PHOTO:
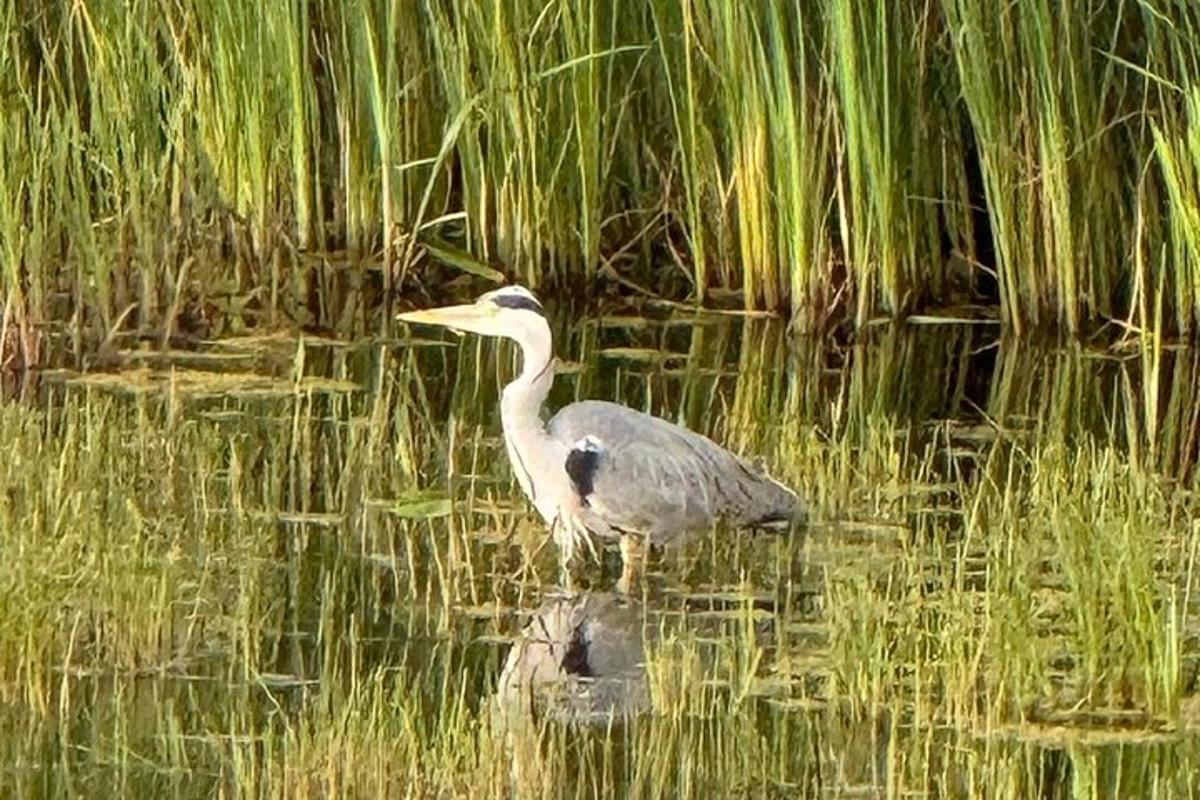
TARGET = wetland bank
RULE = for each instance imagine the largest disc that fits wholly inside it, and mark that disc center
(936, 262)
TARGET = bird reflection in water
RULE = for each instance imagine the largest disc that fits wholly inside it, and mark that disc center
(581, 658)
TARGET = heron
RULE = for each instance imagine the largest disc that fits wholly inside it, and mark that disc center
(600, 469)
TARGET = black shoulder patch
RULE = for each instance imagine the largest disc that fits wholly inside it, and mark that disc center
(519, 301)
(582, 464)
(575, 659)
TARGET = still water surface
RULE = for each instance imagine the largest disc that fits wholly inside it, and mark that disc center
(282, 565)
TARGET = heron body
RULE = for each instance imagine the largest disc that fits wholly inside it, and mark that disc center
(599, 468)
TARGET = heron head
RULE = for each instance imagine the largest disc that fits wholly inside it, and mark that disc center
(511, 311)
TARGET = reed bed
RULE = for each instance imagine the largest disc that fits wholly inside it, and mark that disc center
(164, 163)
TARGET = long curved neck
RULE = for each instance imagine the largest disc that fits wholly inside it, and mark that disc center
(535, 457)
(521, 403)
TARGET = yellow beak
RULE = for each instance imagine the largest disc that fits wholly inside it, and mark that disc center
(470, 317)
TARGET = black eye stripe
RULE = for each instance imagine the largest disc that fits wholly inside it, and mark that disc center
(518, 301)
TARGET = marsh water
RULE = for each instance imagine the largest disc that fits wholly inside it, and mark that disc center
(291, 565)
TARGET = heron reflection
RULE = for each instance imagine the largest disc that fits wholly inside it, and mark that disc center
(581, 658)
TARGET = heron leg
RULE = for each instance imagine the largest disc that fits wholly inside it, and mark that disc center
(633, 562)
(566, 576)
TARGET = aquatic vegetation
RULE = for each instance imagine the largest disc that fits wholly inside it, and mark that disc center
(231, 575)
(239, 560)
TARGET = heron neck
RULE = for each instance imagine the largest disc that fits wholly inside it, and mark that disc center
(534, 456)
(521, 404)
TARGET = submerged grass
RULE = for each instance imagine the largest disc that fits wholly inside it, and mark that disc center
(257, 593)
(173, 165)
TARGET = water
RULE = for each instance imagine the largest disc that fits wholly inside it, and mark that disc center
(297, 566)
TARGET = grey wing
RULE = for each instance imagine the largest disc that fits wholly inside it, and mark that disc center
(643, 474)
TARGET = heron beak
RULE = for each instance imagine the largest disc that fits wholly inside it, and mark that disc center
(470, 317)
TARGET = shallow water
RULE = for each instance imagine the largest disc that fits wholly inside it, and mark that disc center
(297, 566)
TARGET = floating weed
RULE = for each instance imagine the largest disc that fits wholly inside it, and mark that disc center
(201, 383)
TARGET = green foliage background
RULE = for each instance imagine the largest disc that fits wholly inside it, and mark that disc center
(834, 159)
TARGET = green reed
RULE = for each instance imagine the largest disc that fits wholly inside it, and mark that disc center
(1061, 110)
(893, 154)
(836, 160)
(1179, 160)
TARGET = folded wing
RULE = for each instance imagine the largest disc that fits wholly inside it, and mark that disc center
(642, 474)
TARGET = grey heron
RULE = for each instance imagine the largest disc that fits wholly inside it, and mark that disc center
(601, 469)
